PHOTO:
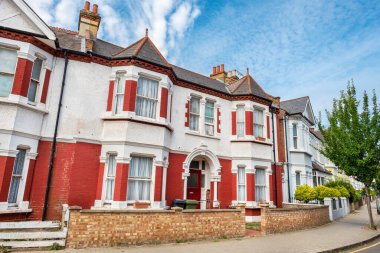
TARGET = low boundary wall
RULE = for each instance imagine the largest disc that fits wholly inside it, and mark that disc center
(104, 228)
(293, 217)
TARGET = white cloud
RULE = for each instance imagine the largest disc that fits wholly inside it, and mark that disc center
(124, 22)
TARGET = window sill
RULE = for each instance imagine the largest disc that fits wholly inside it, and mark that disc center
(202, 135)
(15, 211)
(18, 101)
(252, 139)
(142, 120)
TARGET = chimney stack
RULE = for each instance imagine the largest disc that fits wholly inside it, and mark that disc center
(88, 25)
(213, 70)
(218, 69)
(222, 67)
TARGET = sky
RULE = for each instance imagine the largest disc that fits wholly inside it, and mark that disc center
(293, 48)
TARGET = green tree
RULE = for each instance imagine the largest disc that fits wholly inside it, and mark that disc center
(305, 193)
(352, 139)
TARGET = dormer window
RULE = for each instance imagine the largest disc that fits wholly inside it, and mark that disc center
(194, 113)
(35, 80)
(209, 118)
(258, 125)
(146, 99)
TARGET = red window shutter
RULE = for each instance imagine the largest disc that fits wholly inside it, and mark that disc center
(164, 102)
(99, 187)
(130, 95)
(158, 184)
(121, 182)
(218, 127)
(110, 95)
(187, 114)
(268, 128)
(22, 77)
(249, 122)
(46, 86)
(250, 187)
(233, 122)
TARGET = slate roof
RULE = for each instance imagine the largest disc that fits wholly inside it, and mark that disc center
(295, 106)
(247, 85)
(318, 134)
(320, 168)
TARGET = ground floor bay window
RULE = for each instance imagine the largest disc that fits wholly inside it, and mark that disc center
(260, 185)
(16, 177)
(140, 179)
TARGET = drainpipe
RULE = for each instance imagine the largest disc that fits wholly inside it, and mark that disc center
(54, 145)
(287, 154)
(275, 161)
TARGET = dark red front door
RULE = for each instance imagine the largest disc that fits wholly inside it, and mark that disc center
(194, 185)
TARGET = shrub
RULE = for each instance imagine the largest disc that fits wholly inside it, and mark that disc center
(345, 184)
(305, 193)
(343, 191)
(326, 192)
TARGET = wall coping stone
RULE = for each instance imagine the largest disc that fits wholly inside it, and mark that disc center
(295, 209)
(156, 210)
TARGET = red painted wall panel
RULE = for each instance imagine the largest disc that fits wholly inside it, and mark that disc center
(111, 88)
(158, 184)
(227, 184)
(218, 126)
(130, 95)
(248, 122)
(233, 123)
(29, 179)
(6, 168)
(250, 186)
(99, 187)
(187, 114)
(164, 103)
(174, 182)
(268, 128)
(46, 86)
(22, 77)
(121, 182)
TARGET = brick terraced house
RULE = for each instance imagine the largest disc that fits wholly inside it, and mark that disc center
(86, 122)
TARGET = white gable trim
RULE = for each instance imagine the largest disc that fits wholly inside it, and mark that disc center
(306, 114)
(35, 19)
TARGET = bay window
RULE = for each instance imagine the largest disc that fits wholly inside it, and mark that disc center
(146, 98)
(260, 185)
(240, 124)
(209, 118)
(258, 123)
(110, 177)
(140, 178)
(194, 113)
(241, 184)
(298, 178)
(18, 168)
(119, 95)
(8, 60)
(35, 80)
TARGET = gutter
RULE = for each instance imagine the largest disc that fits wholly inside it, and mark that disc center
(275, 161)
(287, 155)
(54, 144)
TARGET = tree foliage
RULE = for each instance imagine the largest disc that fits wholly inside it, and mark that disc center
(305, 193)
(326, 192)
(345, 184)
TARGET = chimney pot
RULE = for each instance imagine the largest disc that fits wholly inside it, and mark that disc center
(213, 70)
(222, 67)
(95, 8)
(87, 5)
(218, 69)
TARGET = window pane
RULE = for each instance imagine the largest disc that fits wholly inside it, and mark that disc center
(240, 121)
(6, 83)
(110, 188)
(8, 59)
(146, 100)
(294, 129)
(16, 176)
(194, 165)
(260, 185)
(111, 165)
(194, 105)
(36, 72)
(192, 180)
(32, 91)
(140, 173)
(194, 122)
(209, 112)
(258, 117)
(241, 184)
(298, 178)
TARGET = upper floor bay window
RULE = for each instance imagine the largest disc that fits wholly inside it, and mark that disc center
(194, 113)
(146, 98)
(241, 184)
(209, 118)
(119, 95)
(260, 185)
(18, 168)
(315, 179)
(8, 60)
(240, 124)
(295, 136)
(35, 80)
(110, 177)
(140, 178)
(298, 178)
(258, 125)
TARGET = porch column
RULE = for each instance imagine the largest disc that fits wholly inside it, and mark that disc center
(163, 191)
(184, 177)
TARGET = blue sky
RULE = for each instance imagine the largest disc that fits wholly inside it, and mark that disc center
(293, 48)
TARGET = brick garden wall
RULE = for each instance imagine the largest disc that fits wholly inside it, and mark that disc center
(104, 228)
(293, 217)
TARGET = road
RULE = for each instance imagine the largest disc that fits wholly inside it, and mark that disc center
(372, 247)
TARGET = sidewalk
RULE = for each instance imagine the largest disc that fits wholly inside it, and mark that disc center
(346, 231)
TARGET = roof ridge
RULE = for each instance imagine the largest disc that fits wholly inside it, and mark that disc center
(239, 84)
(125, 49)
(55, 28)
(296, 98)
(249, 83)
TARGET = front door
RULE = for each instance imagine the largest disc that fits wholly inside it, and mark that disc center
(194, 185)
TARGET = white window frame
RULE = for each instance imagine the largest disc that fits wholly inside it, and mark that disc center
(262, 186)
(14, 71)
(295, 135)
(257, 124)
(108, 177)
(298, 173)
(241, 123)
(244, 184)
(210, 125)
(195, 114)
(155, 100)
(37, 81)
(118, 96)
(18, 194)
(147, 179)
